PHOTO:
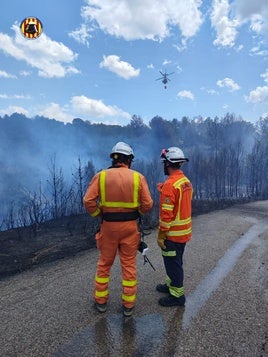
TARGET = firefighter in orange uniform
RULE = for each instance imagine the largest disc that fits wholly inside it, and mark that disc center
(119, 195)
(174, 225)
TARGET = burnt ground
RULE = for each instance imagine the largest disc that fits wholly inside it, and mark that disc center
(26, 247)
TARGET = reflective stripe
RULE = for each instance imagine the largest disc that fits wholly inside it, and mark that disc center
(164, 224)
(129, 282)
(177, 292)
(167, 207)
(129, 298)
(170, 253)
(102, 280)
(181, 222)
(133, 204)
(101, 293)
(168, 281)
(94, 214)
(178, 183)
(179, 233)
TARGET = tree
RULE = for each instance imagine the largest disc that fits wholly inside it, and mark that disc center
(81, 178)
(57, 190)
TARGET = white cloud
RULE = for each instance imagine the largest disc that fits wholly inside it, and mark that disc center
(228, 83)
(186, 94)
(51, 58)
(25, 73)
(96, 108)
(265, 76)
(258, 95)
(121, 68)
(4, 74)
(258, 51)
(81, 35)
(14, 109)
(254, 11)
(227, 16)
(165, 62)
(147, 19)
(209, 91)
(57, 112)
(15, 96)
(224, 26)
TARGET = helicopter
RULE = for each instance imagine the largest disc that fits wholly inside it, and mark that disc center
(164, 78)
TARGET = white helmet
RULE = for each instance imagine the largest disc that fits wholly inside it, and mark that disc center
(122, 148)
(173, 155)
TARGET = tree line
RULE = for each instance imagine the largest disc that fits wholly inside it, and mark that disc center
(228, 159)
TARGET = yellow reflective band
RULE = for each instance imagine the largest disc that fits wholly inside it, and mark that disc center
(177, 292)
(179, 233)
(129, 298)
(136, 189)
(129, 282)
(171, 253)
(101, 293)
(181, 222)
(178, 183)
(94, 214)
(167, 207)
(118, 204)
(164, 224)
(102, 280)
(168, 281)
(102, 186)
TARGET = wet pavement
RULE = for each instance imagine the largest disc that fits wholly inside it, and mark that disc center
(49, 311)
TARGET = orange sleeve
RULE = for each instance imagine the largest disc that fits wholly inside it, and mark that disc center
(91, 197)
(146, 201)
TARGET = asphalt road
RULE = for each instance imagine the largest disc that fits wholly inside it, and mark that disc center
(49, 311)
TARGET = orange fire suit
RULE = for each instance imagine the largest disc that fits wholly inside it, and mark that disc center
(175, 221)
(119, 195)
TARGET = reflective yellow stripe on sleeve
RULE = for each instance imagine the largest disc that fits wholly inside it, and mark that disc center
(96, 213)
(164, 224)
(167, 207)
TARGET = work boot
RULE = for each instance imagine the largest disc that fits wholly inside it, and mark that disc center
(171, 300)
(127, 311)
(101, 307)
(162, 288)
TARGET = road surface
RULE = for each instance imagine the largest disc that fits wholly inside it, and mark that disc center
(49, 311)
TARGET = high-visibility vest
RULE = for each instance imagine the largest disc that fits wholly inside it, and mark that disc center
(133, 197)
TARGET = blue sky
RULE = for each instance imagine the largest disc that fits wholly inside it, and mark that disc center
(98, 60)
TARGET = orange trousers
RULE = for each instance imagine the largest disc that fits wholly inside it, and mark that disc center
(124, 238)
